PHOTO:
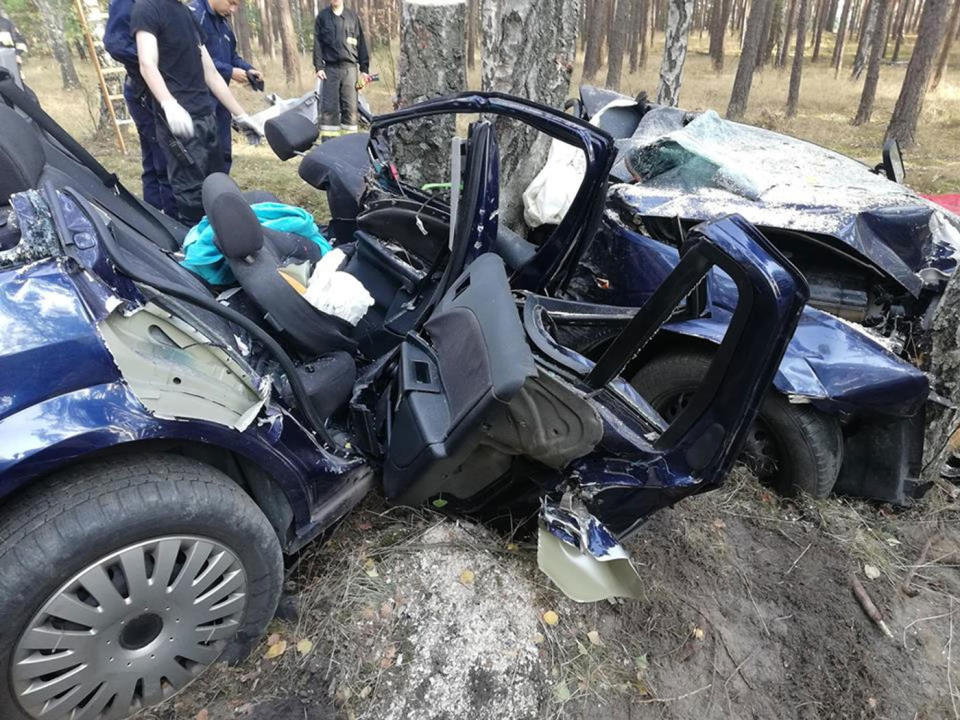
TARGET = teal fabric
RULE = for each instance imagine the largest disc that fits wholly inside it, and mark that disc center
(202, 257)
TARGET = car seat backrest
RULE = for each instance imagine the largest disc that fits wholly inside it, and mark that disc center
(238, 232)
(21, 155)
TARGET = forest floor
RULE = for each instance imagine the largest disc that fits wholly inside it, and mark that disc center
(748, 610)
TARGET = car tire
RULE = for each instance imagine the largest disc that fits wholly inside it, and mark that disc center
(790, 446)
(83, 561)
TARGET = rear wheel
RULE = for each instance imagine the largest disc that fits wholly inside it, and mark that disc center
(122, 581)
(788, 446)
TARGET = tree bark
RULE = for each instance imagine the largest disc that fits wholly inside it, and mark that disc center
(933, 25)
(241, 25)
(644, 25)
(472, 9)
(432, 63)
(898, 30)
(679, 16)
(947, 44)
(748, 60)
(793, 95)
(619, 33)
(52, 16)
(837, 59)
(529, 47)
(718, 31)
(288, 41)
(821, 22)
(866, 38)
(266, 30)
(765, 34)
(942, 437)
(635, 36)
(787, 34)
(596, 33)
(873, 71)
(774, 28)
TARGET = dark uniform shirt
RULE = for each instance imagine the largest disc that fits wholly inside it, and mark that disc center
(339, 39)
(118, 41)
(178, 43)
(219, 38)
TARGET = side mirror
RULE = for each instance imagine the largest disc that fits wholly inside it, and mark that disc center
(893, 161)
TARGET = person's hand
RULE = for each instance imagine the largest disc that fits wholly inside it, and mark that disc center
(321, 74)
(367, 78)
(178, 119)
(238, 75)
(252, 74)
(244, 124)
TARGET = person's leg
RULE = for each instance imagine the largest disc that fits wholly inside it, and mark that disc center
(330, 104)
(143, 120)
(189, 161)
(226, 138)
(348, 99)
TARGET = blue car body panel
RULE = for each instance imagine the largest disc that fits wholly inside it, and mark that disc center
(834, 366)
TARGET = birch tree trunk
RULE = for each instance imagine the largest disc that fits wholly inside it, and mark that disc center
(748, 60)
(52, 16)
(432, 63)
(529, 47)
(793, 95)
(873, 71)
(933, 25)
(679, 15)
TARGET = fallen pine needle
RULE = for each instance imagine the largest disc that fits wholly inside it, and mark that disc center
(868, 607)
(678, 697)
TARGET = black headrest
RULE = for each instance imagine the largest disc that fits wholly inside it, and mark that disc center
(21, 155)
(237, 231)
(290, 133)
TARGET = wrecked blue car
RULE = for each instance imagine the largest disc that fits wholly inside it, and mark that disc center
(164, 442)
(845, 412)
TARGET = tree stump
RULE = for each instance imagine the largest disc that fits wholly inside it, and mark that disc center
(432, 63)
(529, 47)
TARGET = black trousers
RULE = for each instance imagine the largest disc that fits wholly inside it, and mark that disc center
(190, 161)
(338, 101)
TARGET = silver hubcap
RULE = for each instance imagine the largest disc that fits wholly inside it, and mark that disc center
(130, 630)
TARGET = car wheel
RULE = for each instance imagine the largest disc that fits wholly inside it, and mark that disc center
(790, 447)
(121, 581)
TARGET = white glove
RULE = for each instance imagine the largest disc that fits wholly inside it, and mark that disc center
(178, 119)
(244, 124)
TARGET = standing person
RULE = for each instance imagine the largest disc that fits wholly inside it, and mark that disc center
(10, 36)
(118, 41)
(221, 43)
(338, 48)
(180, 75)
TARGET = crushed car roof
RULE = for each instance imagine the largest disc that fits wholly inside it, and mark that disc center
(701, 167)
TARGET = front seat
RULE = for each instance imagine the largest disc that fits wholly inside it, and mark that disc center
(256, 265)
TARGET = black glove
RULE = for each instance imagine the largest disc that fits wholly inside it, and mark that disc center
(256, 82)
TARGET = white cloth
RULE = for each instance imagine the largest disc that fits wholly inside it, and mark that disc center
(337, 293)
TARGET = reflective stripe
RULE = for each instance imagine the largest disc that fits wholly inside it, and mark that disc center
(348, 128)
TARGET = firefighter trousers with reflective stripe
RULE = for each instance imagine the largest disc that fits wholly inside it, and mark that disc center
(338, 100)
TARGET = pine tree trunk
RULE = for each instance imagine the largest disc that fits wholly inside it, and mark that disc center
(529, 47)
(793, 95)
(947, 44)
(241, 25)
(824, 9)
(748, 60)
(266, 31)
(636, 32)
(915, 16)
(432, 63)
(898, 30)
(718, 31)
(288, 41)
(866, 38)
(52, 17)
(873, 71)
(787, 34)
(933, 25)
(679, 17)
(596, 32)
(774, 28)
(837, 59)
(619, 34)
(644, 25)
(765, 34)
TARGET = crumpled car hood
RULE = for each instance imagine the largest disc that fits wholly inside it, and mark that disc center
(707, 167)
